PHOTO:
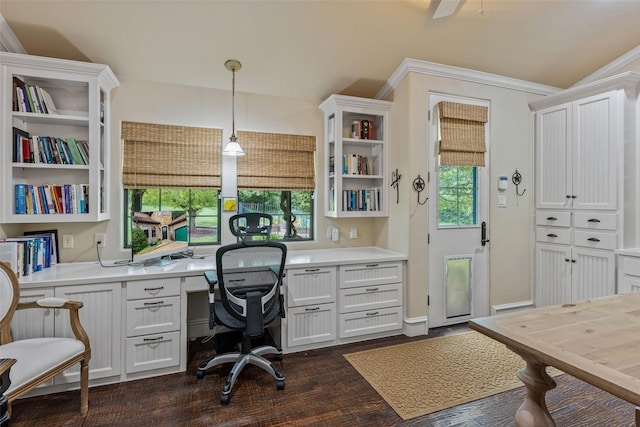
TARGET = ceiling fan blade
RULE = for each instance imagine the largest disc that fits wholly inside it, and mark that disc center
(446, 8)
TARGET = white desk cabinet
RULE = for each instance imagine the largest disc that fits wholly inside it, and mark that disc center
(311, 306)
(152, 324)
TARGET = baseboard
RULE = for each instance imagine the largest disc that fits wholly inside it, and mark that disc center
(511, 307)
(415, 326)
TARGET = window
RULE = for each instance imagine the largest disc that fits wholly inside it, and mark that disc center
(277, 176)
(296, 227)
(171, 178)
(200, 208)
(458, 200)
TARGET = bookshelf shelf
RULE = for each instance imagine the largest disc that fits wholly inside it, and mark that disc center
(356, 144)
(55, 134)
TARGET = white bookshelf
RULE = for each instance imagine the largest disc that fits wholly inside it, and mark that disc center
(81, 94)
(355, 175)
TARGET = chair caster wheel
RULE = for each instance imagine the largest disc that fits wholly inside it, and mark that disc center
(280, 384)
(279, 357)
(199, 374)
(224, 399)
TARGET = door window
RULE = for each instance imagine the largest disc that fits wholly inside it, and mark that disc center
(458, 196)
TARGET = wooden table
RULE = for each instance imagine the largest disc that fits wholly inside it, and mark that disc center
(597, 341)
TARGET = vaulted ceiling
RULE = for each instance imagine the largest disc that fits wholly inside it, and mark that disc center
(312, 48)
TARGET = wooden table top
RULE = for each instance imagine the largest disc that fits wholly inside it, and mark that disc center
(597, 340)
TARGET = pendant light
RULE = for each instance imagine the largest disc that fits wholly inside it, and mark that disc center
(233, 148)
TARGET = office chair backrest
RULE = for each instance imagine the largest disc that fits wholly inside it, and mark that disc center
(249, 226)
(248, 270)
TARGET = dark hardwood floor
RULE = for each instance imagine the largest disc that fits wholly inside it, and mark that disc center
(322, 389)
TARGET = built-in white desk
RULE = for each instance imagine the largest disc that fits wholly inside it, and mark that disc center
(138, 322)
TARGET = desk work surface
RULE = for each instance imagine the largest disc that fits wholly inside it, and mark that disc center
(92, 272)
(597, 340)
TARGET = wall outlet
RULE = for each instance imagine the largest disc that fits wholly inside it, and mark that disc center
(100, 239)
(353, 233)
(335, 234)
(67, 241)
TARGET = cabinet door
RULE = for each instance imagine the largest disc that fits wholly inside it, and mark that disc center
(101, 318)
(596, 152)
(552, 274)
(593, 273)
(553, 157)
(33, 323)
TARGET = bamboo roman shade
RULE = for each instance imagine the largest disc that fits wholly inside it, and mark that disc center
(462, 134)
(165, 156)
(276, 161)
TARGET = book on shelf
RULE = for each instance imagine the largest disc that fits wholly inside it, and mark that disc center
(51, 199)
(31, 252)
(362, 129)
(357, 164)
(31, 98)
(361, 200)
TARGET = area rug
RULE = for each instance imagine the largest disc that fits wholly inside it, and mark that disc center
(426, 376)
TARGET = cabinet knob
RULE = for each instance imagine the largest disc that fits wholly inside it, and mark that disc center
(552, 218)
(593, 239)
(552, 235)
(593, 220)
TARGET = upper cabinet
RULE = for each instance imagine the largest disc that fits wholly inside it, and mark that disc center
(54, 129)
(578, 153)
(355, 156)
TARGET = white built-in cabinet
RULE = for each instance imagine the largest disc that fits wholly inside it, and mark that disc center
(332, 305)
(355, 156)
(100, 317)
(585, 187)
(81, 96)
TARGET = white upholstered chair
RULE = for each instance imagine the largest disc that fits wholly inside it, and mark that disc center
(40, 359)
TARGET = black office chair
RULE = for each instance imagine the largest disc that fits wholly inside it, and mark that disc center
(248, 277)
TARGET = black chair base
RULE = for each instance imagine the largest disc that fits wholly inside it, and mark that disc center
(240, 360)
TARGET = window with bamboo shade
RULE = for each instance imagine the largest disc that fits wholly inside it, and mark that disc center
(462, 134)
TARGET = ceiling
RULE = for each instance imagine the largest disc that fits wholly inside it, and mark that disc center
(310, 49)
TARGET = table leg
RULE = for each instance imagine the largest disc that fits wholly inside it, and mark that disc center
(533, 412)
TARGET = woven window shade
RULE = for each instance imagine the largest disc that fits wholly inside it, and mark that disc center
(276, 161)
(165, 156)
(462, 134)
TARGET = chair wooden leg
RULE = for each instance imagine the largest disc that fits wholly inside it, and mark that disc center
(84, 387)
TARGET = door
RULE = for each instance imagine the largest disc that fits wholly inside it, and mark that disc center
(458, 218)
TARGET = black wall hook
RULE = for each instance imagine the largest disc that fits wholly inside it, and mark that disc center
(516, 178)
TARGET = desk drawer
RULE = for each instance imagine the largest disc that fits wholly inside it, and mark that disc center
(153, 352)
(370, 297)
(311, 324)
(370, 322)
(152, 316)
(315, 285)
(369, 274)
(553, 235)
(137, 289)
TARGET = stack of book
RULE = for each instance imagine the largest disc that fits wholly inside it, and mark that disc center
(29, 254)
(49, 149)
(31, 99)
(361, 200)
(362, 129)
(356, 164)
(51, 199)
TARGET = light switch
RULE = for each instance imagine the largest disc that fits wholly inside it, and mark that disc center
(502, 201)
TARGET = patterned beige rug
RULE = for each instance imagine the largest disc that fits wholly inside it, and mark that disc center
(426, 376)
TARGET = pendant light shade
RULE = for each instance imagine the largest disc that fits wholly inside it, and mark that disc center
(233, 148)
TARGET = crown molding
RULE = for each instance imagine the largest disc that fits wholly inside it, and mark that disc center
(409, 65)
(611, 67)
(8, 40)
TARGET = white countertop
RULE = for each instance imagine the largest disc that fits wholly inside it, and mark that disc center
(92, 272)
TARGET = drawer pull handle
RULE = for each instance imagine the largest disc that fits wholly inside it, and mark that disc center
(311, 270)
(159, 288)
(593, 239)
(552, 235)
(552, 218)
(312, 309)
(371, 265)
(593, 220)
(567, 260)
(375, 313)
(152, 339)
(372, 289)
(154, 303)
